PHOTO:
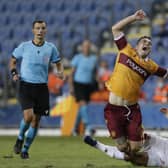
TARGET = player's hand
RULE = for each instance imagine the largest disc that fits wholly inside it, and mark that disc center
(139, 15)
(164, 110)
(71, 91)
(15, 78)
(60, 75)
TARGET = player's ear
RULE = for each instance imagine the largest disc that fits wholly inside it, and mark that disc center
(136, 47)
(46, 30)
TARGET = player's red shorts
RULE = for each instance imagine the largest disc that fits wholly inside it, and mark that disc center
(124, 121)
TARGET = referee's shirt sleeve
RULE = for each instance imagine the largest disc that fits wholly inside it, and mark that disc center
(18, 52)
(55, 57)
(75, 60)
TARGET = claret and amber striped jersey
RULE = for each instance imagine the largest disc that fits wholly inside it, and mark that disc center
(130, 72)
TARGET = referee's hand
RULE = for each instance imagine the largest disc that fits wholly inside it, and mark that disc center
(15, 77)
(60, 75)
(164, 110)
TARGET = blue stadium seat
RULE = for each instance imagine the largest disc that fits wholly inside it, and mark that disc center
(152, 117)
(110, 58)
(3, 7)
(13, 7)
(22, 33)
(8, 46)
(96, 114)
(4, 18)
(7, 34)
(28, 6)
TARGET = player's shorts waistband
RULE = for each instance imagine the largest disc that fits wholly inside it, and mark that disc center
(32, 84)
(119, 101)
(124, 106)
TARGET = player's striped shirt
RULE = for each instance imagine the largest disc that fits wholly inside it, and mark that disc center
(130, 72)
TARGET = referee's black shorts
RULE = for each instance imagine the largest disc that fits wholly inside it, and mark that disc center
(34, 96)
(83, 91)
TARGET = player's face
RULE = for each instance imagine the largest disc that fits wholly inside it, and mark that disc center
(86, 47)
(39, 30)
(144, 47)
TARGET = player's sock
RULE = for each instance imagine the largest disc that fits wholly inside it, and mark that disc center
(85, 119)
(77, 122)
(111, 151)
(23, 128)
(29, 138)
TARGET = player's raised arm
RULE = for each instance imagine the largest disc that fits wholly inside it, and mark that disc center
(117, 29)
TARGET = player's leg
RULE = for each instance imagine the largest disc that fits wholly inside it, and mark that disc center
(40, 96)
(116, 125)
(111, 151)
(88, 90)
(24, 125)
(78, 93)
(150, 156)
(85, 118)
(135, 129)
(82, 94)
(31, 134)
(77, 122)
(137, 140)
(27, 104)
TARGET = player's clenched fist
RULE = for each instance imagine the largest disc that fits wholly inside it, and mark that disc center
(139, 15)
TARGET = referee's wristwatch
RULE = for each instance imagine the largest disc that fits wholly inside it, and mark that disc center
(14, 72)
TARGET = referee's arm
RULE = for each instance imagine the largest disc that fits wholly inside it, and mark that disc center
(13, 70)
(60, 70)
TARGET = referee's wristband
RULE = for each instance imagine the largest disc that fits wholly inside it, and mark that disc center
(14, 72)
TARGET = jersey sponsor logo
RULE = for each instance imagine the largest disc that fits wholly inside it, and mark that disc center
(124, 59)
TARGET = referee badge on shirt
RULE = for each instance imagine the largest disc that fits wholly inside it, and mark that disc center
(46, 59)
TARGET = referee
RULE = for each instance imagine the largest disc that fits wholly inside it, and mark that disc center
(35, 56)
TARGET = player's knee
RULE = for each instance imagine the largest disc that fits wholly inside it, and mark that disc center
(35, 121)
(27, 118)
(35, 124)
(134, 148)
(122, 144)
(123, 147)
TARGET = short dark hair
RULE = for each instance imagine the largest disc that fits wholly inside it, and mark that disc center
(148, 37)
(38, 21)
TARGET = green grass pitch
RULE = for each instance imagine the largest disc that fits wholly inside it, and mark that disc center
(58, 152)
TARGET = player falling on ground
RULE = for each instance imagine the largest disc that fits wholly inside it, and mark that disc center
(154, 148)
(133, 66)
(155, 151)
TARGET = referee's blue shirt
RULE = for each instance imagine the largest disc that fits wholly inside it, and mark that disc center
(35, 60)
(84, 68)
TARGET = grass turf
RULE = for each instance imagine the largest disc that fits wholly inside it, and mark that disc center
(58, 152)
